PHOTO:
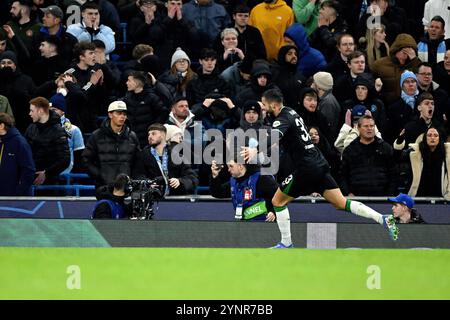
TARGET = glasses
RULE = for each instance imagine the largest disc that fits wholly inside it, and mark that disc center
(426, 74)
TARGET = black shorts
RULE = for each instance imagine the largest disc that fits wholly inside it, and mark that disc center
(304, 182)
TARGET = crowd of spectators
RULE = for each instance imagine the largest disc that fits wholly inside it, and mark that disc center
(109, 87)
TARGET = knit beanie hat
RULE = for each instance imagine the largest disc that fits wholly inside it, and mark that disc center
(178, 55)
(251, 105)
(9, 55)
(171, 131)
(323, 80)
(58, 101)
(405, 75)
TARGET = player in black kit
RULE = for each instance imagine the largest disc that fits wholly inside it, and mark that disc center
(311, 172)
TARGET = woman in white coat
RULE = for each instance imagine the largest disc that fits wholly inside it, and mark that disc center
(430, 164)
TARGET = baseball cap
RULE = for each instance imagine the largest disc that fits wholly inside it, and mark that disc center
(117, 106)
(358, 111)
(404, 199)
(54, 10)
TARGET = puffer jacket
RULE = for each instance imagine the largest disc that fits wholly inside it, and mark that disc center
(368, 170)
(107, 153)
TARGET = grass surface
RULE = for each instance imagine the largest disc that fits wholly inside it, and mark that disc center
(169, 273)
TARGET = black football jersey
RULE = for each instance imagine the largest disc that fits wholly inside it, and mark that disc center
(295, 139)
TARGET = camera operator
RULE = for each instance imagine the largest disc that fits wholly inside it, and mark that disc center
(111, 200)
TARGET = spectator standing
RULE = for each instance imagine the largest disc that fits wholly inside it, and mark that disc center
(349, 130)
(307, 110)
(425, 83)
(344, 87)
(365, 95)
(287, 77)
(180, 74)
(6, 107)
(310, 60)
(23, 23)
(430, 160)
(143, 106)
(260, 81)
(432, 46)
(16, 161)
(182, 117)
(328, 105)
(328, 151)
(367, 163)
(250, 40)
(442, 73)
(229, 52)
(111, 149)
(338, 65)
(382, 12)
(50, 64)
(48, 142)
(17, 87)
(178, 32)
(208, 81)
(307, 13)
(238, 75)
(402, 56)
(435, 8)
(208, 17)
(74, 135)
(416, 127)
(404, 109)
(272, 18)
(374, 44)
(90, 28)
(53, 26)
(329, 25)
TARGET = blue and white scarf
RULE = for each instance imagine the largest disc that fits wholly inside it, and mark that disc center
(410, 100)
(163, 165)
(422, 51)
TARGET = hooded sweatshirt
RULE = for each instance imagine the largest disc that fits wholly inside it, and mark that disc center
(272, 19)
(16, 165)
(310, 59)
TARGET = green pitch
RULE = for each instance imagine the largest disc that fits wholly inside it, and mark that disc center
(169, 273)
